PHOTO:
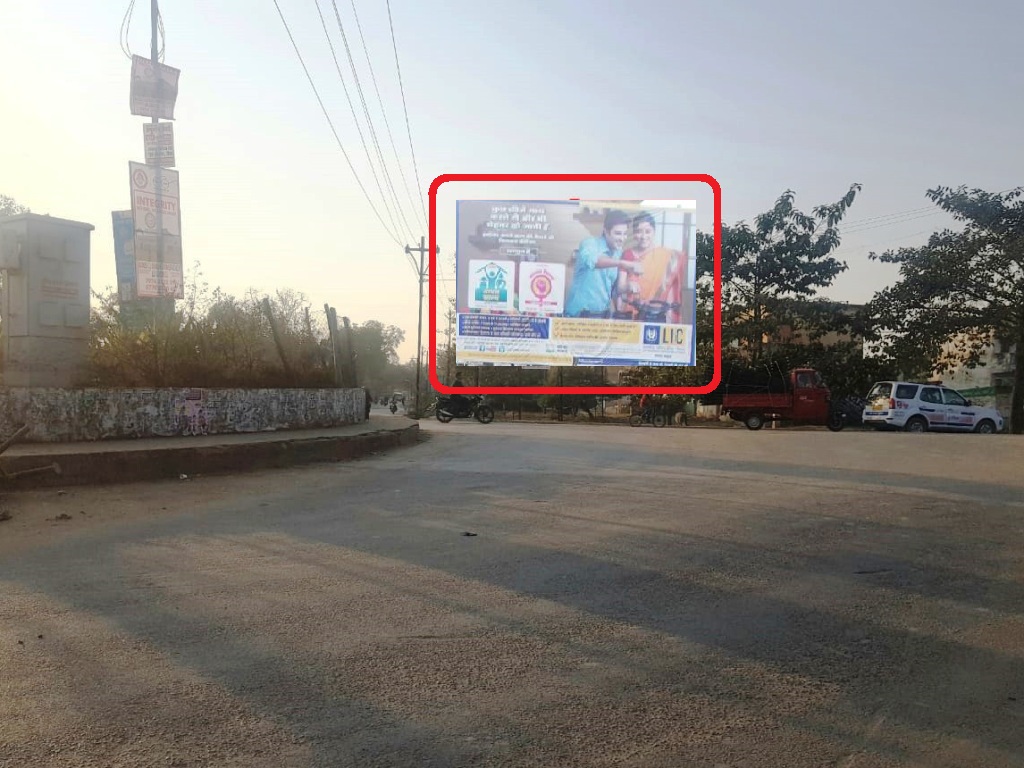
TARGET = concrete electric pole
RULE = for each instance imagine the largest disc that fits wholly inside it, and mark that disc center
(422, 273)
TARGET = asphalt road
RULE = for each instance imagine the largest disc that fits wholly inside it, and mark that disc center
(631, 597)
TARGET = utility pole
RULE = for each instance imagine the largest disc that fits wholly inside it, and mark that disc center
(332, 329)
(450, 317)
(154, 54)
(422, 274)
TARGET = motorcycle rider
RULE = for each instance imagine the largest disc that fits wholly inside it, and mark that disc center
(645, 406)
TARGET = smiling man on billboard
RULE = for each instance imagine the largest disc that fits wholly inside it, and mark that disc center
(598, 262)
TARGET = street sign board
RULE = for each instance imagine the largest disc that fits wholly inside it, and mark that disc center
(156, 222)
(154, 88)
(158, 266)
(149, 179)
(159, 143)
(155, 213)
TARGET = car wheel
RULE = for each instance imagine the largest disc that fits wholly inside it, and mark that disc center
(916, 424)
(754, 421)
(986, 427)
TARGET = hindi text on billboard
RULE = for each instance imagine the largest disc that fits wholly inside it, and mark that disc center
(592, 283)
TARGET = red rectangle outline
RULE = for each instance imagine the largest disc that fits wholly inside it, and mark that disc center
(703, 178)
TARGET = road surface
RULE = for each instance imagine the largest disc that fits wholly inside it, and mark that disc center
(630, 597)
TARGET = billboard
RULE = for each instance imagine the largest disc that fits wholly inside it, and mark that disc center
(576, 283)
(124, 254)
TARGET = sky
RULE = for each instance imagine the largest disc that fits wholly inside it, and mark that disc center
(794, 94)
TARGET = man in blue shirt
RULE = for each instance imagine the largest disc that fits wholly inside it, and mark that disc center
(598, 262)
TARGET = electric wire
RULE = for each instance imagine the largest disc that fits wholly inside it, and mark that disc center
(369, 121)
(405, 108)
(330, 123)
(387, 124)
(355, 119)
(126, 24)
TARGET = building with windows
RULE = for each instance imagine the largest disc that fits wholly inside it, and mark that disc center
(991, 382)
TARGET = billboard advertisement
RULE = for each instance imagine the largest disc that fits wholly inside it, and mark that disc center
(124, 254)
(576, 283)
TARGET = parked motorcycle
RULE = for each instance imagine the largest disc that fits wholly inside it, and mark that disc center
(473, 407)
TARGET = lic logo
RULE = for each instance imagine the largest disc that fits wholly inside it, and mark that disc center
(652, 334)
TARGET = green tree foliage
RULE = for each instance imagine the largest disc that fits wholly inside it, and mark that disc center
(11, 207)
(962, 290)
(772, 271)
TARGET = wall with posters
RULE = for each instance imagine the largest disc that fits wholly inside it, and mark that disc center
(589, 283)
(83, 415)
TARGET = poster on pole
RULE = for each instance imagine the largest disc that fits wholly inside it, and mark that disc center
(158, 140)
(124, 255)
(154, 89)
(158, 266)
(156, 222)
(576, 283)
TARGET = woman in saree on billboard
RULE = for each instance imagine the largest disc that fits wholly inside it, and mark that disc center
(662, 278)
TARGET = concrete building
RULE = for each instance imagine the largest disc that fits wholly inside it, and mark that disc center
(989, 384)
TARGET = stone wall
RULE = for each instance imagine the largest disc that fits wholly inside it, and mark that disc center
(81, 415)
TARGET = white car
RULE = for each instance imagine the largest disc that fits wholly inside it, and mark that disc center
(915, 407)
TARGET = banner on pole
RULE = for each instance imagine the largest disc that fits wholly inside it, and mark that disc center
(124, 255)
(154, 89)
(158, 139)
(156, 224)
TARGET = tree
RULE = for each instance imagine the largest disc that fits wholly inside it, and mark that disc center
(962, 290)
(772, 271)
(208, 339)
(11, 207)
(376, 348)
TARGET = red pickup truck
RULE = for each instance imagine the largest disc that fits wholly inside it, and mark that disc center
(799, 397)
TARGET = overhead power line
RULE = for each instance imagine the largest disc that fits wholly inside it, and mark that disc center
(405, 108)
(387, 124)
(891, 223)
(900, 216)
(369, 121)
(355, 118)
(871, 219)
(330, 122)
(126, 25)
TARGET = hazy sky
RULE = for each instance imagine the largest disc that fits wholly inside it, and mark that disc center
(900, 96)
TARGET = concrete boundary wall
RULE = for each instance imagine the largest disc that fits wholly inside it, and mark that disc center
(85, 415)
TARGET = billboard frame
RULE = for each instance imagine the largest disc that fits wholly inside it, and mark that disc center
(701, 178)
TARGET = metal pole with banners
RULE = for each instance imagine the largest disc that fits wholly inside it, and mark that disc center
(155, 191)
(154, 52)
